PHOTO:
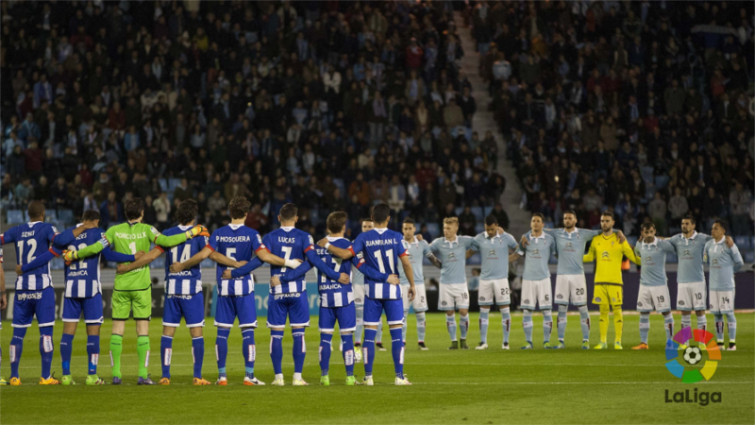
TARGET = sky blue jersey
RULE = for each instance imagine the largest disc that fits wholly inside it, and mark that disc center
(570, 247)
(536, 255)
(653, 261)
(723, 262)
(453, 256)
(690, 255)
(495, 254)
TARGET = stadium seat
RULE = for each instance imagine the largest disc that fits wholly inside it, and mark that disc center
(15, 216)
(173, 184)
(479, 213)
(748, 256)
(474, 260)
(632, 240)
(458, 211)
(57, 264)
(207, 264)
(66, 216)
(549, 225)
(50, 216)
(479, 228)
(433, 229)
(163, 184)
(743, 242)
(159, 262)
(553, 260)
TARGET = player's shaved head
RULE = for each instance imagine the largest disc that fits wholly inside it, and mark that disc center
(133, 208)
(381, 213)
(238, 207)
(36, 210)
(187, 212)
(288, 212)
(336, 222)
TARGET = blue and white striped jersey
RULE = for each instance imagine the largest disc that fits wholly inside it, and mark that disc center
(291, 243)
(724, 262)
(690, 255)
(185, 282)
(238, 242)
(653, 261)
(30, 240)
(380, 249)
(332, 293)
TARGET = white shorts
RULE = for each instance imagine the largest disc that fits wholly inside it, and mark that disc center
(453, 296)
(420, 298)
(494, 290)
(653, 298)
(536, 292)
(691, 296)
(571, 287)
(722, 301)
(358, 291)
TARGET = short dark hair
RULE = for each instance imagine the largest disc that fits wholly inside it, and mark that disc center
(288, 212)
(90, 215)
(187, 211)
(690, 217)
(409, 220)
(36, 209)
(491, 220)
(336, 221)
(367, 219)
(607, 214)
(572, 212)
(722, 223)
(133, 208)
(380, 213)
(537, 214)
(238, 207)
(648, 225)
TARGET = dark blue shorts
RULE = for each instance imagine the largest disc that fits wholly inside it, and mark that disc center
(373, 309)
(27, 304)
(190, 307)
(232, 306)
(91, 307)
(294, 305)
(346, 317)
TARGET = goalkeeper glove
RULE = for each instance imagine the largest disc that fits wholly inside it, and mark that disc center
(70, 256)
(195, 231)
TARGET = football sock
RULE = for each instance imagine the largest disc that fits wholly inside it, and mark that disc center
(644, 327)
(116, 348)
(93, 352)
(221, 349)
(702, 322)
(618, 322)
(547, 325)
(300, 350)
(527, 325)
(506, 323)
(66, 347)
(250, 351)
(719, 318)
(464, 323)
(142, 348)
(604, 310)
(326, 341)
(585, 321)
(46, 348)
(197, 355)
(686, 321)
(404, 327)
(166, 352)
(561, 321)
(368, 350)
(16, 348)
(348, 353)
(668, 323)
(360, 325)
(276, 350)
(397, 349)
(379, 333)
(421, 326)
(731, 322)
(484, 320)
(451, 326)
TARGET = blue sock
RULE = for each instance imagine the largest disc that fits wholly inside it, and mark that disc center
(464, 324)
(397, 349)
(46, 349)
(66, 348)
(360, 326)
(527, 326)
(326, 344)
(561, 322)
(421, 327)
(668, 323)
(484, 321)
(506, 323)
(547, 325)
(451, 326)
(348, 353)
(197, 355)
(276, 350)
(404, 327)
(719, 317)
(249, 350)
(300, 350)
(368, 350)
(93, 352)
(221, 348)
(731, 321)
(585, 319)
(166, 353)
(644, 327)
(16, 348)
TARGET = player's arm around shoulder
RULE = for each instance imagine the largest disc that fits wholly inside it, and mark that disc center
(630, 253)
(142, 261)
(590, 256)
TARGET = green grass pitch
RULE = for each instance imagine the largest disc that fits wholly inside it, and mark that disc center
(488, 387)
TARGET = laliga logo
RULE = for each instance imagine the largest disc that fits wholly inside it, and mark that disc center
(692, 356)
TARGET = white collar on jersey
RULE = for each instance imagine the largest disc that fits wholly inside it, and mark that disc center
(287, 228)
(182, 227)
(451, 243)
(497, 235)
(654, 243)
(235, 226)
(573, 232)
(381, 230)
(723, 239)
(691, 237)
(333, 239)
(542, 236)
(32, 223)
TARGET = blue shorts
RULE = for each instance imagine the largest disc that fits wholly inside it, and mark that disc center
(92, 308)
(190, 307)
(394, 311)
(294, 305)
(346, 317)
(230, 307)
(27, 304)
